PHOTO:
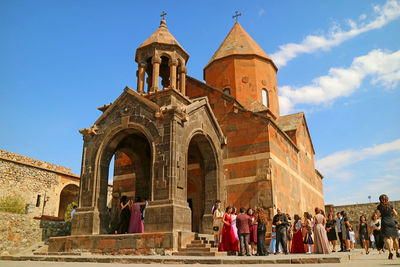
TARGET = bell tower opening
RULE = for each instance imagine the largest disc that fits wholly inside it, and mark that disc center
(161, 63)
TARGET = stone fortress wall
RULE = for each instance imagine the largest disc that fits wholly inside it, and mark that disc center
(354, 211)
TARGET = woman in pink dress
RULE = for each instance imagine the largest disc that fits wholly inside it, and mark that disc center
(136, 223)
(228, 239)
(235, 230)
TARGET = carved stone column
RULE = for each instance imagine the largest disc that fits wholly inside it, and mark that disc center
(156, 61)
(141, 76)
(183, 80)
(172, 68)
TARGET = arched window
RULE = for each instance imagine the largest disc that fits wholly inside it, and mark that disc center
(265, 97)
(227, 91)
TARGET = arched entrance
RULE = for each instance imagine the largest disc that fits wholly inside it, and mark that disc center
(132, 173)
(68, 195)
(202, 182)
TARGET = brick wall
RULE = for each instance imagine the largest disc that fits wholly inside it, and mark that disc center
(263, 167)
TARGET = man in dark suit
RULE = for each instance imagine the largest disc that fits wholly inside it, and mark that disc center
(339, 227)
(281, 223)
(242, 222)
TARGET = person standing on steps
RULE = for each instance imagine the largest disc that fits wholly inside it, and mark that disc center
(281, 223)
(218, 214)
(243, 222)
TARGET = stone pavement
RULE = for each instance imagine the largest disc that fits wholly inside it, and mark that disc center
(371, 260)
(353, 259)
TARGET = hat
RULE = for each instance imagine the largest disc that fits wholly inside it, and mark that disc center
(273, 226)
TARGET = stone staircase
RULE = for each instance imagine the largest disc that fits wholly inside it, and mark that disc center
(202, 245)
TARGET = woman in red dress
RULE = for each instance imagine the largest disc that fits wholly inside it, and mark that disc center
(297, 242)
(228, 239)
(253, 231)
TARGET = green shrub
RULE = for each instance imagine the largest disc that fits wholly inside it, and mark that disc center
(70, 207)
(12, 203)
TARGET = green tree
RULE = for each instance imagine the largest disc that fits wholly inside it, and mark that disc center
(12, 203)
(70, 207)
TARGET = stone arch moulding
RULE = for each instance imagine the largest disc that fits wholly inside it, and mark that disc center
(102, 160)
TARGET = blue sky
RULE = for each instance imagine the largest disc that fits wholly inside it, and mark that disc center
(339, 62)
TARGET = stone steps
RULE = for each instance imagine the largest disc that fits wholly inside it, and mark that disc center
(201, 254)
(202, 245)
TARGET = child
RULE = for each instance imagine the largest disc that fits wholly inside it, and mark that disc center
(352, 238)
(272, 245)
(372, 239)
(307, 238)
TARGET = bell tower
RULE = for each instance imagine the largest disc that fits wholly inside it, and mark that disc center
(242, 69)
(161, 56)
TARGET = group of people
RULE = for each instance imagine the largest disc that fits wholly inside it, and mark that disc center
(131, 216)
(381, 229)
(234, 232)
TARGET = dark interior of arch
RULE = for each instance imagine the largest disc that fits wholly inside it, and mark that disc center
(132, 174)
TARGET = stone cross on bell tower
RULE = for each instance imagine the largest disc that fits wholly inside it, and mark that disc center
(163, 15)
(236, 16)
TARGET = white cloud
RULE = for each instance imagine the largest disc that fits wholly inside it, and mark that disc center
(261, 12)
(312, 43)
(382, 66)
(339, 160)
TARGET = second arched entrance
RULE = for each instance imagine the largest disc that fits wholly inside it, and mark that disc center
(202, 182)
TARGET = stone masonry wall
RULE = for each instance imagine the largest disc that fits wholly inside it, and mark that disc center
(30, 177)
(18, 232)
(354, 211)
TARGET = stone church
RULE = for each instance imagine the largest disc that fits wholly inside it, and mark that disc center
(183, 143)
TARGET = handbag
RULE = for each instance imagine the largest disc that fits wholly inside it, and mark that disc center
(261, 227)
(216, 228)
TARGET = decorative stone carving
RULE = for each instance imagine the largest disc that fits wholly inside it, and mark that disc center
(126, 110)
(89, 131)
(245, 79)
(264, 82)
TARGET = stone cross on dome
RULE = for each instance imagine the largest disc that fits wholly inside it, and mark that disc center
(237, 14)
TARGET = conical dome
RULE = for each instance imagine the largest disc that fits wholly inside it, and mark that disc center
(238, 42)
(162, 36)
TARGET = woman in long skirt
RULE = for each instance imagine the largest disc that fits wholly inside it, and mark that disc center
(253, 231)
(321, 245)
(297, 242)
(261, 229)
(125, 216)
(228, 239)
(136, 222)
